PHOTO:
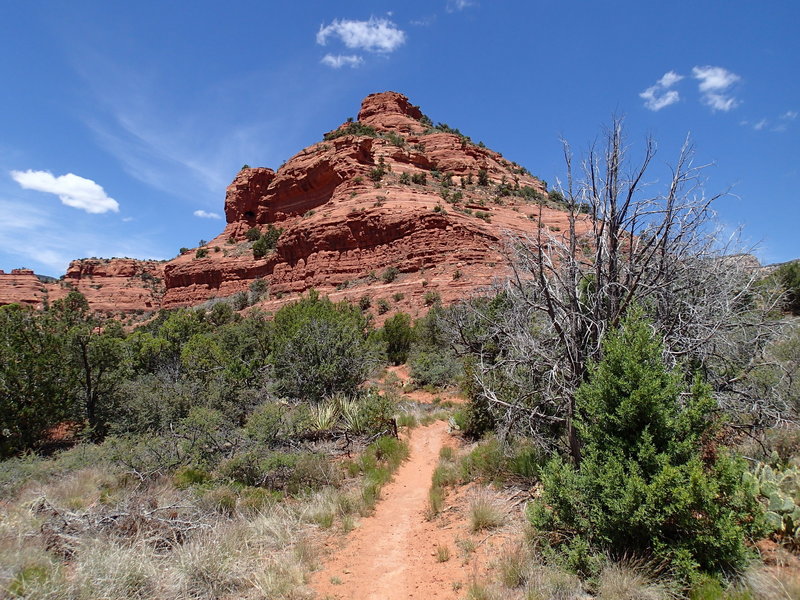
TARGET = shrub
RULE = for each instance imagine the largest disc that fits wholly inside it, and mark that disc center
(788, 276)
(364, 302)
(266, 242)
(398, 336)
(390, 274)
(405, 178)
(383, 306)
(483, 177)
(252, 234)
(433, 366)
(354, 128)
(321, 348)
(645, 485)
(431, 298)
(201, 253)
(395, 139)
(420, 178)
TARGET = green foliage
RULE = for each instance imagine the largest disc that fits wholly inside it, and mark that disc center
(390, 274)
(383, 306)
(395, 139)
(364, 302)
(483, 177)
(420, 178)
(252, 234)
(788, 275)
(398, 336)
(267, 242)
(321, 348)
(431, 298)
(405, 178)
(434, 367)
(355, 128)
(644, 485)
(555, 196)
(201, 253)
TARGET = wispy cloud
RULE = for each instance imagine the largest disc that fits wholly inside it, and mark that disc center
(206, 215)
(789, 115)
(715, 84)
(190, 150)
(338, 61)
(660, 95)
(72, 190)
(376, 35)
(455, 5)
(760, 125)
(38, 239)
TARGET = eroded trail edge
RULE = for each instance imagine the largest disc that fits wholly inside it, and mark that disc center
(391, 555)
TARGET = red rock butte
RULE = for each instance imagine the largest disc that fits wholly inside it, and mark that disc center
(387, 192)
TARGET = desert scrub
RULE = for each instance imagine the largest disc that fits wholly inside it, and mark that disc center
(485, 511)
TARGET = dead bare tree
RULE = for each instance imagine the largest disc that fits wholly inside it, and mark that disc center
(625, 246)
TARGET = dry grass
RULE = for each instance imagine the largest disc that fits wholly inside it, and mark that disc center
(632, 580)
(442, 553)
(484, 511)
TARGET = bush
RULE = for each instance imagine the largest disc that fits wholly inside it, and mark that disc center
(201, 253)
(483, 177)
(390, 274)
(383, 306)
(252, 234)
(364, 302)
(321, 348)
(354, 128)
(434, 367)
(431, 298)
(398, 336)
(420, 178)
(646, 485)
(788, 276)
(266, 242)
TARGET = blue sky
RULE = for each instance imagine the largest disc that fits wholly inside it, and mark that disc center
(122, 123)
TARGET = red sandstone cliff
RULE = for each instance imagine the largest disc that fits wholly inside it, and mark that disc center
(343, 224)
(350, 207)
(116, 285)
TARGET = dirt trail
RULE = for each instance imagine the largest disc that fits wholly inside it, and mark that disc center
(392, 554)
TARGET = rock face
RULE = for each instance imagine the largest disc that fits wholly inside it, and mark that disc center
(387, 192)
(388, 207)
(21, 286)
(117, 285)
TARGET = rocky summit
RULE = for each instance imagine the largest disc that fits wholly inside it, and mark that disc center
(388, 206)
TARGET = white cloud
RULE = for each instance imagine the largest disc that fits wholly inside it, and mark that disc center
(714, 86)
(659, 96)
(760, 125)
(375, 35)
(72, 190)
(454, 5)
(789, 115)
(206, 215)
(340, 60)
(38, 239)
